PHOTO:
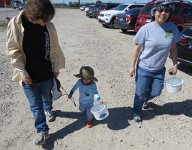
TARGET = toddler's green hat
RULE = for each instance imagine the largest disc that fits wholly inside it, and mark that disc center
(86, 73)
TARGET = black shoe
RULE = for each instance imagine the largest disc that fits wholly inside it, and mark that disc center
(42, 137)
(49, 116)
(145, 105)
(137, 118)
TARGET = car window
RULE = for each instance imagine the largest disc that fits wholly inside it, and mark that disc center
(187, 10)
(135, 6)
(120, 7)
(177, 8)
(134, 11)
(111, 6)
(147, 9)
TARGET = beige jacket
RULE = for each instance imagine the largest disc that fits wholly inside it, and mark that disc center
(15, 49)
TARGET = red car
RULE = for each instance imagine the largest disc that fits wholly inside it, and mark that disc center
(184, 47)
(182, 15)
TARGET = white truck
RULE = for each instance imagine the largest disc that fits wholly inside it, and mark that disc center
(107, 18)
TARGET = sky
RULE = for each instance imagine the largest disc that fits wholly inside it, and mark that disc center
(104, 1)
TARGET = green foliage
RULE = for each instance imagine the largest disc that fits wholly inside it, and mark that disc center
(98, 2)
(3, 25)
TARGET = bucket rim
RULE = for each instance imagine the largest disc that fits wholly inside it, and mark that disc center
(182, 81)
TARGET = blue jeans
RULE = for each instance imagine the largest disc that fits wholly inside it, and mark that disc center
(40, 100)
(86, 108)
(148, 86)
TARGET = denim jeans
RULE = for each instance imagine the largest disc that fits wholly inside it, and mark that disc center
(86, 108)
(40, 100)
(148, 86)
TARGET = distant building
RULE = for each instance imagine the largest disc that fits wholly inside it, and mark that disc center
(4, 3)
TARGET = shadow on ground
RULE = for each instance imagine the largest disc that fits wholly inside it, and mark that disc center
(129, 32)
(118, 119)
(173, 109)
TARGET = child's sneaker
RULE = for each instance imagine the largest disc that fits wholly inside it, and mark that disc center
(42, 137)
(89, 124)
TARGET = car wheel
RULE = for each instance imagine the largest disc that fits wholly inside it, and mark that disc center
(124, 30)
(112, 23)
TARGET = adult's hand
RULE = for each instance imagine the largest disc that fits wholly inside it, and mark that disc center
(56, 74)
(134, 58)
(69, 96)
(132, 72)
(27, 80)
(173, 70)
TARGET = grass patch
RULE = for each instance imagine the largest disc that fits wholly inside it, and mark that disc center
(3, 25)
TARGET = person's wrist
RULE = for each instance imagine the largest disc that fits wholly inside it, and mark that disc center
(133, 67)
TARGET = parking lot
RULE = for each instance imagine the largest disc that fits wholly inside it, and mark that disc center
(85, 42)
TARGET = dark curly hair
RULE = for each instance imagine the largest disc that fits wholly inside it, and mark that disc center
(39, 9)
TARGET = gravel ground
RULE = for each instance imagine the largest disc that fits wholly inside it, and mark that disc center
(85, 42)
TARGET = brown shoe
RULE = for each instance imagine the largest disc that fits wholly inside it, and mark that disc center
(89, 124)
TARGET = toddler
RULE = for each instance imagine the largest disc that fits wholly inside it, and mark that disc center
(87, 92)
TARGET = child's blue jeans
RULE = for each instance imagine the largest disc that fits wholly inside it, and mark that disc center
(86, 108)
(148, 86)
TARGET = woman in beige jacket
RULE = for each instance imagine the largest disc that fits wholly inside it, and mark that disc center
(32, 45)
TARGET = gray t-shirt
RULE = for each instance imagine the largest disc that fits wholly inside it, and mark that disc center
(157, 41)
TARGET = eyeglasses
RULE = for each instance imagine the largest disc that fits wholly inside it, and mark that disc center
(166, 10)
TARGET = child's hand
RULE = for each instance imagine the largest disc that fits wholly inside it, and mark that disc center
(69, 96)
(100, 102)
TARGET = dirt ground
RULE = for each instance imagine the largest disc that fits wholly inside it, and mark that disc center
(85, 42)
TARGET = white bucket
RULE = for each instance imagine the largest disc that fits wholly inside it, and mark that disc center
(174, 85)
(100, 111)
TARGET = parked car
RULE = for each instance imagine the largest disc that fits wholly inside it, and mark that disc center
(182, 15)
(127, 20)
(106, 6)
(107, 18)
(184, 47)
(86, 8)
(92, 12)
(17, 4)
(82, 8)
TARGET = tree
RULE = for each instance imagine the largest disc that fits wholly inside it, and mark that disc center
(98, 2)
(70, 4)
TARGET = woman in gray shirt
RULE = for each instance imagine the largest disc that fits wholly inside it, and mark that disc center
(153, 43)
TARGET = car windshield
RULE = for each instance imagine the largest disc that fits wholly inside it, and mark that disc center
(92, 7)
(18, 3)
(120, 7)
(134, 11)
(147, 9)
